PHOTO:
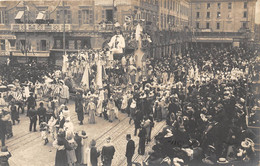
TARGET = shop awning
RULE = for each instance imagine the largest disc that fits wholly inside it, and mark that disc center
(7, 37)
(19, 15)
(41, 16)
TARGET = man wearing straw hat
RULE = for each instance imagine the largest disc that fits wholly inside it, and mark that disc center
(107, 153)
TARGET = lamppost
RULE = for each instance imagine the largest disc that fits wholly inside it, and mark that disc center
(64, 21)
(25, 32)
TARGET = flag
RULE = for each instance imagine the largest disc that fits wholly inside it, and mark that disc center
(85, 77)
(99, 74)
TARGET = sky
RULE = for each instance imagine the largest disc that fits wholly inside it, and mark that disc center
(257, 15)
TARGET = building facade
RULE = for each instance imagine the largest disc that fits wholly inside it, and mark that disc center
(36, 29)
(173, 14)
(222, 21)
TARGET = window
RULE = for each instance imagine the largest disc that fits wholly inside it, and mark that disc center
(78, 44)
(208, 14)
(207, 25)
(198, 14)
(245, 14)
(12, 42)
(229, 15)
(245, 5)
(58, 17)
(71, 44)
(229, 5)
(79, 17)
(197, 6)
(68, 16)
(219, 5)
(197, 25)
(2, 43)
(109, 15)
(3, 17)
(164, 3)
(208, 5)
(86, 16)
(218, 25)
(244, 25)
(58, 44)
(218, 14)
(43, 45)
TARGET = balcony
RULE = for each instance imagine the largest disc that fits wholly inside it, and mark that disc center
(218, 34)
(40, 27)
(104, 27)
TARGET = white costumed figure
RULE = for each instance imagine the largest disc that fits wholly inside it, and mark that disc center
(65, 63)
(85, 77)
(117, 42)
(99, 74)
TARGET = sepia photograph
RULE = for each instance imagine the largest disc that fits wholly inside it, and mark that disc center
(129, 82)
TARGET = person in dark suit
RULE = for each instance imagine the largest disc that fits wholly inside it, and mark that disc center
(142, 137)
(2, 129)
(32, 113)
(107, 153)
(130, 149)
(31, 102)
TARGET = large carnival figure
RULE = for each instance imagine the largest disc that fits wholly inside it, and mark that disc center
(117, 42)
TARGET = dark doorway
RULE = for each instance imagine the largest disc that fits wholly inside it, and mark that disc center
(109, 15)
(43, 45)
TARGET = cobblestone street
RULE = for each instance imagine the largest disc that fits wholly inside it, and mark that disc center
(25, 145)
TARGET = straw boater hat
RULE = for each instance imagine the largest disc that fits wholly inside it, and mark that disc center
(247, 143)
(169, 134)
(83, 134)
(222, 161)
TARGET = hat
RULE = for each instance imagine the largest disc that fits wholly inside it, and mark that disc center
(222, 161)
(117, 25)
(211, 147)
(61, 132)
(93, 143)
(169, 134)
(108, 139)
(83, 134)
(133, 104)
(61, 81)
(143, 95)
(247, 143)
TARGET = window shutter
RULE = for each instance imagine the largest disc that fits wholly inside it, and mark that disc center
(69, 16)
(58, 16)
(38, 45)
(91, 16)
(6, 21)
(47, 45)
(103, 15)
(79, 17)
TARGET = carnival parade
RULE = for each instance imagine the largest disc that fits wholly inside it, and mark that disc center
(120, 105)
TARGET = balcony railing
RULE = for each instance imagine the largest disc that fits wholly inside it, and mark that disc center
(40, 27)
(218, 34)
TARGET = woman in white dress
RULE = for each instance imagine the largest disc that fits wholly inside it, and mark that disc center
(85, 150)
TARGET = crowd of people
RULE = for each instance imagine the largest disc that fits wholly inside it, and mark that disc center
(204, 95)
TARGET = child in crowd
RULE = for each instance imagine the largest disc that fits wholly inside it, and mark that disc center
(4, 156)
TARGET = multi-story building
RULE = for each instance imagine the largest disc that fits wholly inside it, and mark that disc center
(257, 33)
(36, 29)
(173, 14)
(223, 21)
